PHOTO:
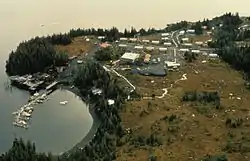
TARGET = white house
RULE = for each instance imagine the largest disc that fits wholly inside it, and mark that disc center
(122, 45)
(195, 51)
(167, 43)
(146, 41)
(191, 31)
(163, 49)
(132, 39)
(138, 47)
(182, 32)
(123, 39)
(165, 38)
(212, 55)
(101, 37)
(185, 39)
(165, 34)
(171, 64)
(150, 48)
(187, 44)
(155, 42)
(184, 50)
(199, 43)
(131, 57)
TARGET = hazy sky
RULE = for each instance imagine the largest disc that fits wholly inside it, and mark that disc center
(25, 16)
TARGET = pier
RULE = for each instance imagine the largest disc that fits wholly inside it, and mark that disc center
(23, 114)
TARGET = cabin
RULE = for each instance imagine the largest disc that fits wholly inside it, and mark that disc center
(187, 44)
(199, 43)
(129, 57)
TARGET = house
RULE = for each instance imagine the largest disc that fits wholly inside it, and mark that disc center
(104, 45)
(191, 31)
(185, 39)
(122, 45)
(212, 55)
(155, 42)
(147, 58)
(171, 64)
(123, 39)
(145, 41)
(187, 44)
(195, 51)
(167, 43)
(138, 47)
(184, 50)
(150, 48)
(101, 37)
(165, 34)
(163, 49)
(199, 43)
(182, 32)
(165, 38)
(130, 57)
(133, 39)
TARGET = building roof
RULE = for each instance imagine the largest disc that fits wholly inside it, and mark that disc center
(130, 56)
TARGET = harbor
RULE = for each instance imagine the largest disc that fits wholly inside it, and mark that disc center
(23, 115)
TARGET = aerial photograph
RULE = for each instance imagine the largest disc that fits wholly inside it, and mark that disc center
(88, 80)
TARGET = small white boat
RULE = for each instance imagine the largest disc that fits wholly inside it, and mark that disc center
(63, 102)
(14, 113)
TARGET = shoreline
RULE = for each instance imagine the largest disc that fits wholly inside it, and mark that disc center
(96, 122)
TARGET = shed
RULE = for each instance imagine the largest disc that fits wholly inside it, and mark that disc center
(130, 57)
(187, 44)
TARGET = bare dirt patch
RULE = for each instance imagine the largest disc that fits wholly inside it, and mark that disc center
(197, 133)
(78, 46)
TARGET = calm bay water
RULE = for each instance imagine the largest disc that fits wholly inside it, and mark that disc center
(54, 127)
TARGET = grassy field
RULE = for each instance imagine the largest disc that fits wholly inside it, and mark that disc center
(184, 131)
(78, 46)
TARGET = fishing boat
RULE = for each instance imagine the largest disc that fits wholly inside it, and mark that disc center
(63, 102)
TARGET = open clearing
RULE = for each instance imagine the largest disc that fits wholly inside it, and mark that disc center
(196, 132)
(77, 47)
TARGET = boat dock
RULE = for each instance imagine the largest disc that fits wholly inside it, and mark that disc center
(23, 114)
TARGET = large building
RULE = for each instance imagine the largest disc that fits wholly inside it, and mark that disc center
(130, 57)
